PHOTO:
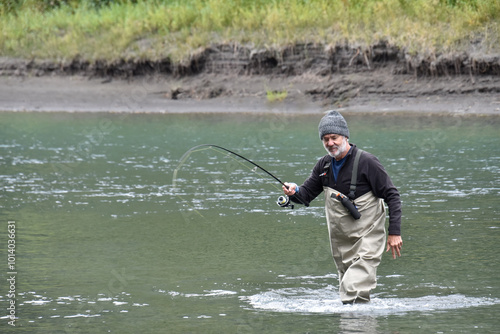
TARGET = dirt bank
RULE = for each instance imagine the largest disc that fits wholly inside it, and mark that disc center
(299, 79)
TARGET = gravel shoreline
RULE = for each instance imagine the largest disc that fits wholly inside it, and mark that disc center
(154, 95)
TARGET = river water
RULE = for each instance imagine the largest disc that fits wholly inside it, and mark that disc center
(109, 239)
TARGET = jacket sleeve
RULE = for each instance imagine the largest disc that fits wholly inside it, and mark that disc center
(311, 187)
(382, 186)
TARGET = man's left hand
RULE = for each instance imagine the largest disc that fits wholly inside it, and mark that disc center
(395, 244)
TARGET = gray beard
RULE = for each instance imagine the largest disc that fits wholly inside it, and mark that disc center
(341, 149)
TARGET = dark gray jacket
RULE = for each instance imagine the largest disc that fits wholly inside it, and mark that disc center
(371, 177)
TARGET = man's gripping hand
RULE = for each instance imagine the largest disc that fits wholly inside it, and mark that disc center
(290, 191)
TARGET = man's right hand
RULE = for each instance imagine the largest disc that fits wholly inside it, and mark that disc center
(290, 191)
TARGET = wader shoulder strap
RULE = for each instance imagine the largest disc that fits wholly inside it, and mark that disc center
(354, 177)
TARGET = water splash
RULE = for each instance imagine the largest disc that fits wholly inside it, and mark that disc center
(326, 300)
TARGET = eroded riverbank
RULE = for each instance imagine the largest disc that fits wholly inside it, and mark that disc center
(303, 79)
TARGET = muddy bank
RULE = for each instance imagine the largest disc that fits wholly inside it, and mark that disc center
(302, 78)
(293, 60)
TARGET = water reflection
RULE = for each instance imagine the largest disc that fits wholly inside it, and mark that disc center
(358, 324)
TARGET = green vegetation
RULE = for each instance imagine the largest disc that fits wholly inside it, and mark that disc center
(157, 29)
(276, 96)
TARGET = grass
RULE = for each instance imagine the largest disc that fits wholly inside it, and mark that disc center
(174, 29)
(276, 96)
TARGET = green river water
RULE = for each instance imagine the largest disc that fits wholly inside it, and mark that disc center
(109, 240)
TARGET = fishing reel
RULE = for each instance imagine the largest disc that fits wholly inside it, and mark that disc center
(284, 202)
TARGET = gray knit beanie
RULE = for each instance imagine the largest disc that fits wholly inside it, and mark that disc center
(333, 123)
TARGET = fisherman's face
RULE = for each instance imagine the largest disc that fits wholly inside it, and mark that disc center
(335, 145)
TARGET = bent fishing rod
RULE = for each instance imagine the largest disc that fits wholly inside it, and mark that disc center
(283, 201)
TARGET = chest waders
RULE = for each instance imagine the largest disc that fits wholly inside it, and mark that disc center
(357, 245)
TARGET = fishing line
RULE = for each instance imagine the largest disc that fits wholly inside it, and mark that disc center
(254, 169)
(282, 200)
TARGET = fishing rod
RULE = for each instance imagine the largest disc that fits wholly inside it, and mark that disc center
(283, 201)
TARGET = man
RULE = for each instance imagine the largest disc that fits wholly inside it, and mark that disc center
(357, 244)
